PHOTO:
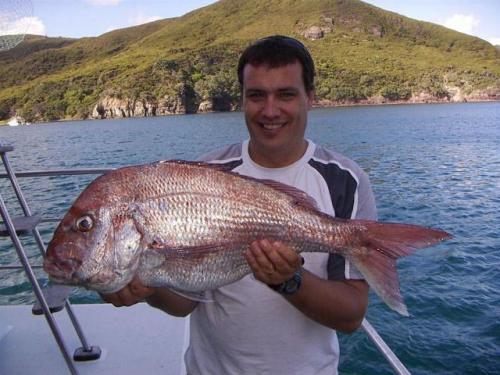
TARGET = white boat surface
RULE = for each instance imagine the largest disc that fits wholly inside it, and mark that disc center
(134, 340)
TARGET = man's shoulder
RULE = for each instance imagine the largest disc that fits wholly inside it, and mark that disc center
(224, 154)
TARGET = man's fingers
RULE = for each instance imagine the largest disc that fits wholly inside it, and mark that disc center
(139, 290)
(128, 296)
(113, 298)
(259, 250)
(272, 263)
(284, 259)
(277, 256)
(288, 255)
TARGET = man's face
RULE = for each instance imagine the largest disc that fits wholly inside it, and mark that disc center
(276, 103)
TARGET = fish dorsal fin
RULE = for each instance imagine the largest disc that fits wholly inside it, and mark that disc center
(225, 167)
(300, 198)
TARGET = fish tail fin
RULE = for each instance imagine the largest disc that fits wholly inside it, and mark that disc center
(380, 246)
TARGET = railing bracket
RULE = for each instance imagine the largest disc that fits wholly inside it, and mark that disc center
(83, 355)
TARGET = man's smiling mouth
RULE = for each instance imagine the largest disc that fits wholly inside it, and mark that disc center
(272, 126)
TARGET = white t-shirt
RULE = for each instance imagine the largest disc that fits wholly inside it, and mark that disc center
(251, 329)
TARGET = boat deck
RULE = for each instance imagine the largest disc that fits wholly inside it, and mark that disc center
(133, 340)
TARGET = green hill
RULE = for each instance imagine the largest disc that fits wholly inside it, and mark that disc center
(187, 64)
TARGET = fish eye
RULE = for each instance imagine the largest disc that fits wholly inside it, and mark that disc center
(84, 224)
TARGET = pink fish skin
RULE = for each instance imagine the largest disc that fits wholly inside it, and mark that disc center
(186, 226)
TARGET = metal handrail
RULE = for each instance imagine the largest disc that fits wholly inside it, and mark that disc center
(398, 367)
(86, 352)
(59, 172)
(383, 348)
(19, 266)
(36, 288)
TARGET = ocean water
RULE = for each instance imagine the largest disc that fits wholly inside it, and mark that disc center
(434, 165)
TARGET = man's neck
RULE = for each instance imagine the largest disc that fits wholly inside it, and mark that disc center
(276, 158)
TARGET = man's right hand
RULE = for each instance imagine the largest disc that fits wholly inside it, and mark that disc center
(160, 298)
(131, 294)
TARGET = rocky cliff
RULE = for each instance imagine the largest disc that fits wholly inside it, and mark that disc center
(119, 107)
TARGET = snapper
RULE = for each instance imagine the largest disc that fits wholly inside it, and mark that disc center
(186, 226)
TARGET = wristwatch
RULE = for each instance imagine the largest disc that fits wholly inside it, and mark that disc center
(290, 286)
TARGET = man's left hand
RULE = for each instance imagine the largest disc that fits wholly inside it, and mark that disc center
(272, 262)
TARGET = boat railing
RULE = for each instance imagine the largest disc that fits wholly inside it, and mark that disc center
(398, 367)
(52, 299)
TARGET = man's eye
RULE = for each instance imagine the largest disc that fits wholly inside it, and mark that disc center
(255, 95)
(287, 94)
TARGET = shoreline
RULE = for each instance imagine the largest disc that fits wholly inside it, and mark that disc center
(316, 105)
(369, 103)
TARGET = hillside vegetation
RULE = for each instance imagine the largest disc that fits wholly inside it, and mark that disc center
(187, 64)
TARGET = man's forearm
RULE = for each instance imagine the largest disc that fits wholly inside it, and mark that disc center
(340, 305)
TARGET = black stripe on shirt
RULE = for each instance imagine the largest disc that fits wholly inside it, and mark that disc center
(342, 187)
(231, 165)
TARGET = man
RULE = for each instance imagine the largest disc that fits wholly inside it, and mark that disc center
(282, 319)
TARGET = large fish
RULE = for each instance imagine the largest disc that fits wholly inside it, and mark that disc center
(186, 226)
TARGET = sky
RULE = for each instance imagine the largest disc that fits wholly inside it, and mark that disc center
(79, 18)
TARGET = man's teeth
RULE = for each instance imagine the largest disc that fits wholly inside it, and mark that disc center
(272, 126)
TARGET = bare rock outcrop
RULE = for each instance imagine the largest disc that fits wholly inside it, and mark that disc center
(483, 95)
(205, 106)
(314, 33)
(119, 107)
(378, 31)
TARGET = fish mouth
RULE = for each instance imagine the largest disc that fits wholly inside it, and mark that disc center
(61, 271)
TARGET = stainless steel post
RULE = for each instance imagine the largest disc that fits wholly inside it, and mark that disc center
(393, 360)
(41, 245)
(36, 287)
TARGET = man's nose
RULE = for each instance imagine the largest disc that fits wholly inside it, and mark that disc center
(271, 107)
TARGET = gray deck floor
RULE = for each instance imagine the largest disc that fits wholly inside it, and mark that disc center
(134, 340)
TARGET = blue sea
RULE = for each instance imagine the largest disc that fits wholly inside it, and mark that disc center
(434, 165)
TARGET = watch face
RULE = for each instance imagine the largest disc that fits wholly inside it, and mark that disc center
(293, 285)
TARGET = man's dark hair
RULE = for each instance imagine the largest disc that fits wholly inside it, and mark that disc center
(277, 51)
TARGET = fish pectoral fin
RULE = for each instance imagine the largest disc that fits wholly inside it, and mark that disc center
(193, 296)
(180, 251)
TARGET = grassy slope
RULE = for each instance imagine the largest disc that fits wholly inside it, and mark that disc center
(197, 53)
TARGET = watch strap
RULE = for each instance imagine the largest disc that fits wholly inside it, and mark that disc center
(290, 286)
